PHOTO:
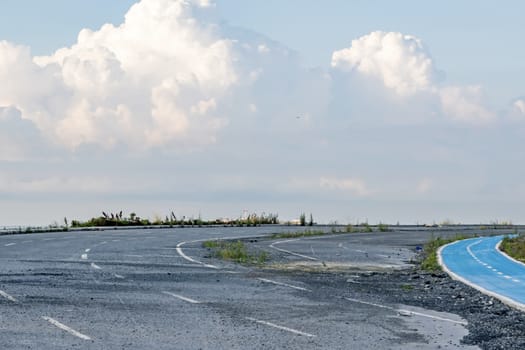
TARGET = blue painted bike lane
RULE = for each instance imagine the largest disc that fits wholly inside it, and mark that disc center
(478, 263)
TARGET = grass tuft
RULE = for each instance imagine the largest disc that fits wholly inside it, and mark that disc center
(514, 247)
(235, 251)
(306, 233)
(430, 262)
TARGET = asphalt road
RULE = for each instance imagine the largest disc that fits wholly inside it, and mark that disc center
(159, 289)
(479, 263)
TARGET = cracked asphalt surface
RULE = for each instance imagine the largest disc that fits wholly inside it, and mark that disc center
(160, 289)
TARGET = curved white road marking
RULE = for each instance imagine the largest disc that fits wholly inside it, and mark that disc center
(283, 284)
(291, 330)
(181, 253)
(66, 328)
(8, 297)
(404, 311)
(189, 300)
(290, 252)
(188, 258)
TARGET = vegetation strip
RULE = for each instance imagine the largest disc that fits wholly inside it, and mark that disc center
(234, 251)
(363, 228)
(514, 247)
(431, 261)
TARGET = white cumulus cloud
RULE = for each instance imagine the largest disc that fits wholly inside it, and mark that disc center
(403, 65)
(154, 80)
(519, 106)
(400, 61)
(465, 104)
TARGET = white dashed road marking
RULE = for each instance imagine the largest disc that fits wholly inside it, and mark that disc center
(283, 284)
(66, 328)
(290, 252)
(95, 266)
(189, 300)
(291, 330)
(487, 265)
(8, 297)
(407, 312)
(10, 244)
(119, 276)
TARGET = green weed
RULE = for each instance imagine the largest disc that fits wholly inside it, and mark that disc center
(514, 247)
(430, 262)
(235, 251)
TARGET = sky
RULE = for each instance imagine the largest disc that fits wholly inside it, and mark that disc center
(353, 111)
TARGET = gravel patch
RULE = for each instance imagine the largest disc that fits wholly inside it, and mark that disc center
(491, 324)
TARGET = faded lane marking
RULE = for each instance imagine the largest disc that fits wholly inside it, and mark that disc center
(9, 244)
(290, 252)
(133, 255)
(95, 266)
(119, 276)
(287, 329)
(404, 311)
(283, 284)
(27, 241)
(189, 300)
(66, 328)
(8, 297)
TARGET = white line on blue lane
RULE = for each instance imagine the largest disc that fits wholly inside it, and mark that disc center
(478, 263)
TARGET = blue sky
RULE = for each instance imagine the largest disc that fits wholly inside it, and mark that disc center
(352, 110)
